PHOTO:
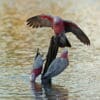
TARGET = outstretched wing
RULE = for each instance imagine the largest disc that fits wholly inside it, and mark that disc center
(40, 21)
(72, 27)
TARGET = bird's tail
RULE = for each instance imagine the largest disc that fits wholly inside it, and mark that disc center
(37, 53)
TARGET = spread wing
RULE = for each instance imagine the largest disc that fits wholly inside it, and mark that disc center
(72, 27)
(40, 21)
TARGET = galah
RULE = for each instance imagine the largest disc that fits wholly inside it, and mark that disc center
(57, 66)
(37, 66)
(60, 27)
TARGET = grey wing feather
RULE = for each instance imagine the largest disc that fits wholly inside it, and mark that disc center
(36, 22)
(72, 27)
(56, 67)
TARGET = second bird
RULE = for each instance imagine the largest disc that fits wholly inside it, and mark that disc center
(60, 27)
(57, 66)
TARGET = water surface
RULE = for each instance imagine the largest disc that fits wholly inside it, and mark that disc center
(18, 43)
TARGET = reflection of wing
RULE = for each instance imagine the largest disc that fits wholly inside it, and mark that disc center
(40, 21)
(72, 27)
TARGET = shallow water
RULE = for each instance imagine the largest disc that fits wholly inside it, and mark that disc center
(18, 43)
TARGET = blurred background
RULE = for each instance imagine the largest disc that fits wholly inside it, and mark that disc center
(18, 44)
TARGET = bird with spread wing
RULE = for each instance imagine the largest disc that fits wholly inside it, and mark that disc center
(60, 27)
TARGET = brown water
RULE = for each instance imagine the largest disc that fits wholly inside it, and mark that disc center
(18, 43)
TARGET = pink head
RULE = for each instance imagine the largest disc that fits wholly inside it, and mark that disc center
(58, 25)
(64, 54)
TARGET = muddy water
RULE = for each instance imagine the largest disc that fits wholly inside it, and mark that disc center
(18, 43)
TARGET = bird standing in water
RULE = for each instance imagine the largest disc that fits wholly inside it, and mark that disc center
(37, 66)
(57, 65)
(60, 27)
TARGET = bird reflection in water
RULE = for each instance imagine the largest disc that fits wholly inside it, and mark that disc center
(54, 92)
